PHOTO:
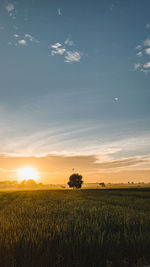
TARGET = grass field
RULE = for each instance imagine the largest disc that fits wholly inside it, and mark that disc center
(73, 228)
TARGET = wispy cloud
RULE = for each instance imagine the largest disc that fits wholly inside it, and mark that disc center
(137, 66)
(123, 162)
(112, 7)
(72, 56)
(147, 25)
(16, 35)
(144, 55)
(31, 38)
(59, 12)
(10, 7)
(138, 47)
(139, 54)
(23, 40)
(64, 49)
(63, 163)
(69, 42)
(147, 42)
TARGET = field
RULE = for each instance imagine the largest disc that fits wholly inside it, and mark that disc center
(75, 228)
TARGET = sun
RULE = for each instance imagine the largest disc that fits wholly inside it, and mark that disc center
(27, 173)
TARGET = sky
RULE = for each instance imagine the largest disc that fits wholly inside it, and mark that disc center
(75, 89)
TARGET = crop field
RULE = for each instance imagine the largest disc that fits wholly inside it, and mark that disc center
(75, 228)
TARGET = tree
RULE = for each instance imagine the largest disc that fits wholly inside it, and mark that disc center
(102, 184)
(75, 180)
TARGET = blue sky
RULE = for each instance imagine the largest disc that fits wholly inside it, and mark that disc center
(75, 79)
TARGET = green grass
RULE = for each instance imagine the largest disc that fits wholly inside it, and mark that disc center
(75, 228)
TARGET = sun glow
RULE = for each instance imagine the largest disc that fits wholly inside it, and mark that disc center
(27, 173)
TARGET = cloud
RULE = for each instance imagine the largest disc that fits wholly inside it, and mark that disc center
(139, 54)
(69, 42)
(147, 65)
(147, 25)
(31, 38)
(59, 12)
(72, 56)
(137, 66)
(147, 51)
(57, 49)
(26, 39)
(64, 164)
(116, 99)
(143, 54)
(55, 46)
(64, 49)
(147, 42)
(10, 7)
(138, 47)
(16, 35)
(22, 42)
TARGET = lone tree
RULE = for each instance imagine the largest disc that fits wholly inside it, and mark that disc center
(75, 180)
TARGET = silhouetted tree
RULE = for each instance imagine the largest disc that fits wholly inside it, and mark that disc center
(102, 184)
(75, 180)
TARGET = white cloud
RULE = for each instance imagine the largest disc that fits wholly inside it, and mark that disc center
(147, 65)
(147, 51)
(69, 42)
(22, 42)
(16, 35)
(138, 47)
(147, 25)
(139, 54)
(137, 66)
(31, 38)
(59, 12)
(147, 42)
(62, 49)
(144, 53)
(55, 46)
(57, 49)
(10, 7)
(72, 56)
(116, 99)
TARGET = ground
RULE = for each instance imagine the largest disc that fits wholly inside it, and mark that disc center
(79, 228)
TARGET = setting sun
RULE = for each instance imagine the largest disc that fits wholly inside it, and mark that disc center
(27, 173)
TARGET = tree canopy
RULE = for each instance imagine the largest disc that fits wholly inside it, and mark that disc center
(75, 180)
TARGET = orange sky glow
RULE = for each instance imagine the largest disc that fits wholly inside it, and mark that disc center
(57, 168)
